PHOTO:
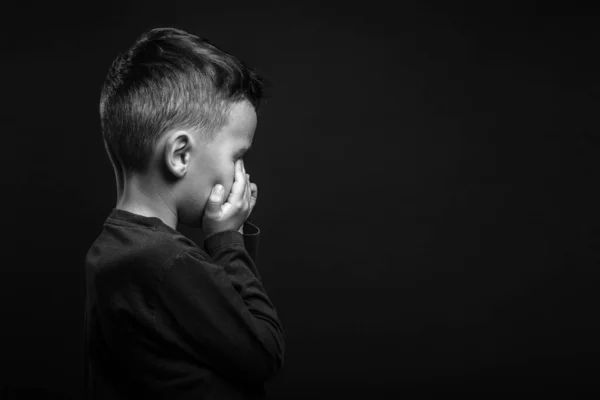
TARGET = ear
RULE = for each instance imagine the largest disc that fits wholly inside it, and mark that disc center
(178, 148)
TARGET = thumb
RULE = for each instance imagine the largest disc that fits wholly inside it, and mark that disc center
(215, 200)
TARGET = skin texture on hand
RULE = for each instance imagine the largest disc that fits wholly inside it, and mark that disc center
(231, 214)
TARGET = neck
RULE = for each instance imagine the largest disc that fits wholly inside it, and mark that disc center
(140, 196)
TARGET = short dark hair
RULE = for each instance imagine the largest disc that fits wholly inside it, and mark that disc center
(170, 79)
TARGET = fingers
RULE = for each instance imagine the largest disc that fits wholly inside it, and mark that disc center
(238, 189)
(213, 206)
(247, 186)
(253, 195)
(247, 198)
(235, 210)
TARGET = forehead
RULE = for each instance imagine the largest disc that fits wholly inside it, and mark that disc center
(241, 124)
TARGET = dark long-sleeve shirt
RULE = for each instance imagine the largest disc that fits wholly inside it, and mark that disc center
(167, 319)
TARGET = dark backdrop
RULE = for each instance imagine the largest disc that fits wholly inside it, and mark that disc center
(428, 189)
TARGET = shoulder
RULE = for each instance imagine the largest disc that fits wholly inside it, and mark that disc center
(140, 249)
(174, 248)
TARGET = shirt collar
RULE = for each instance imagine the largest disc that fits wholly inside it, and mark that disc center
(129, 218)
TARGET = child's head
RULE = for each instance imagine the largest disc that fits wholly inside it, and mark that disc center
(177, 111)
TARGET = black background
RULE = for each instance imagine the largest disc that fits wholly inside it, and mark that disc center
(427, 189)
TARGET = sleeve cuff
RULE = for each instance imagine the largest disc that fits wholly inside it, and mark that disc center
(214, 242)
(250, 229)
(221, 239)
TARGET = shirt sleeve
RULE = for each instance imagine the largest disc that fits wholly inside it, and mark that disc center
(251, 238)
(223, 310)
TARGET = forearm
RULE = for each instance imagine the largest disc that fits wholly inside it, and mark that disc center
(229, 250)
(230, 323)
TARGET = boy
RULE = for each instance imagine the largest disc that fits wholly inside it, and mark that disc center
(165, 318)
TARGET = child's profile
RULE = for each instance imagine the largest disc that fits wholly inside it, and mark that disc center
(164, 316)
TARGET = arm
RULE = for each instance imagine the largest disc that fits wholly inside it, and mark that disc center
(251, 234)
(226, 317)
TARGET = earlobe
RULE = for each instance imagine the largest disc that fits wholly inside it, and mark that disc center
(178, 153)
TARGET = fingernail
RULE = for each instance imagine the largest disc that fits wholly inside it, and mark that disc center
(219, 189)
